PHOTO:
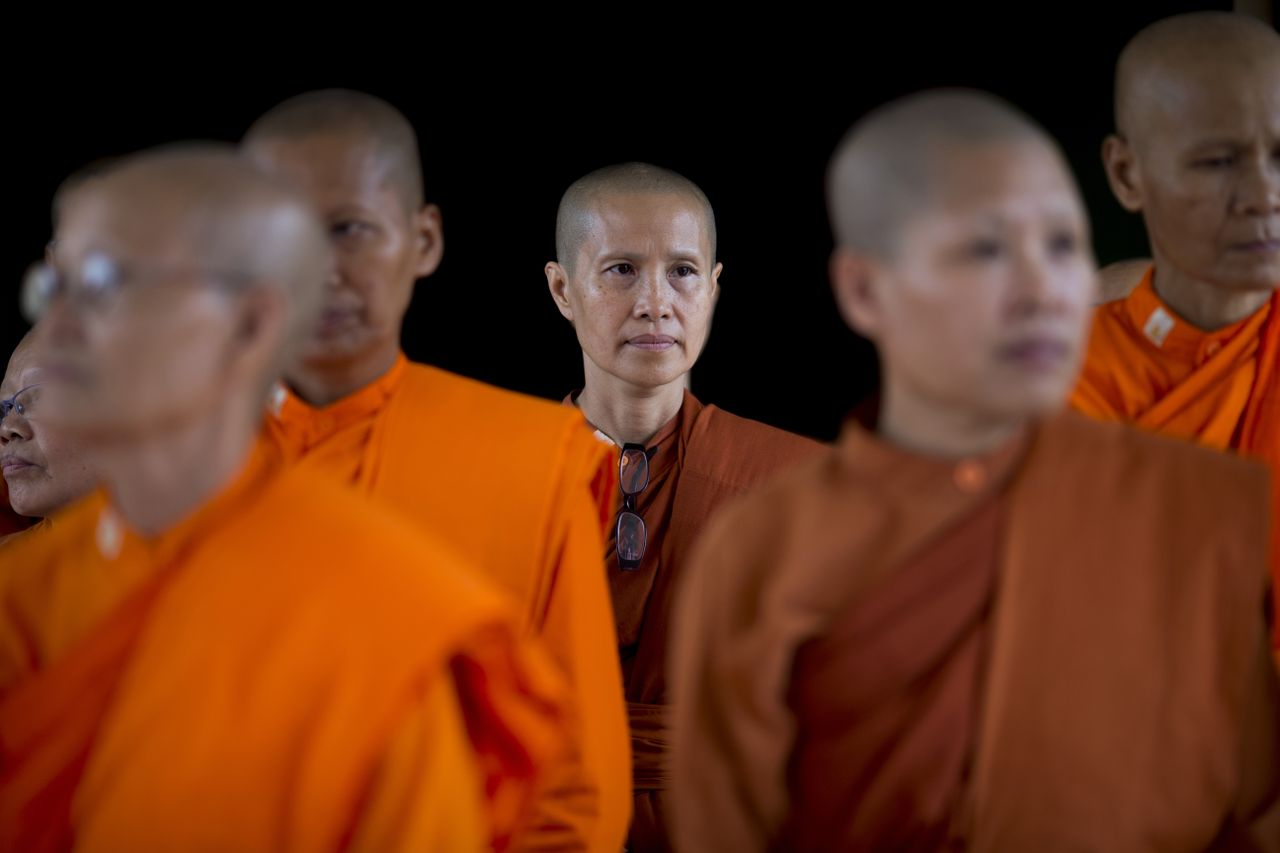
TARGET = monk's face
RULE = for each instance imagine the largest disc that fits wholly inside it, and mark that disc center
(43, 470)
(380, 247)
(984, 305)
(643, 287)
(143, 338)
(1203, 167)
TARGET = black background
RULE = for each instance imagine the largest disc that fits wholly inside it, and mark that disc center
(506, 122)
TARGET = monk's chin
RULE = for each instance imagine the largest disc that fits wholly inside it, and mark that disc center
(1248, 276)
(648, 379)
(328, 351)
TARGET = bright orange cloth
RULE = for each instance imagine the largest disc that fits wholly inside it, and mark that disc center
(1221, 389)
(283, 670)
(524, 491)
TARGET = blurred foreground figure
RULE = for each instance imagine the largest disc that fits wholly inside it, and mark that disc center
(983, 623)
(216, 652)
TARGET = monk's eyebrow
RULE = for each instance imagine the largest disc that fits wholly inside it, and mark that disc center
(1216, 142)
(619, 254)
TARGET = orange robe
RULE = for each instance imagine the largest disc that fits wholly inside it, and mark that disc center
(1059, 646)
(521, 488)
(1221, 389)
(282, 670)
(702, 458)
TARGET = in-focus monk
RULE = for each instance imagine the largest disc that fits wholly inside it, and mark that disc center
(42, 471)
(518, 485)
(216, 651)
(980, 624)
(1193, 351)
(637, 276)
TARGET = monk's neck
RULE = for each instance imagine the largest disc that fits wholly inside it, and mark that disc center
(1206, 306)
(629, 413)
(932, 428)
(157, 480)
(321, 383)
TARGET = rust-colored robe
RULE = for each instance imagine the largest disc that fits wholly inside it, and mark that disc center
(1060, 646)
(1221, 389)
(524, 491)
(703, 457)
(283, 670)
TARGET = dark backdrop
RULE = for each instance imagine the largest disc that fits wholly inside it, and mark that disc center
(506, 125)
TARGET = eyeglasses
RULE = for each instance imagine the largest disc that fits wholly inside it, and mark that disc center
(631, 534)
(20, 402)
(99, 281)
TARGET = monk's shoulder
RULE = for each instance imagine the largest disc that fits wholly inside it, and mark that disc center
(1119, 279)
(38, 568)
(744, 450)
(49, 546)
(1219, 495)
(756, 532)
(325, 540)
(1164, 457)
(474, 405)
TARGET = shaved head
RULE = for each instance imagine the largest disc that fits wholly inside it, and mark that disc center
(345, 113)
(1200, 46)
(578, 204)
(225, 214)
(892, 163)
(1195, 152)
(77, 179)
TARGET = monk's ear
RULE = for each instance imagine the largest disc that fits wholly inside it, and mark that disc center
(259, 327)
(854, 279)
(558, 284)
(429, 240)
(715, 283)
(1122, 172)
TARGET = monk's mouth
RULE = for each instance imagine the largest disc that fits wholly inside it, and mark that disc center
(15, 466)
(1259, 247)
(334, 320)
(653, 343)
(1036, 353)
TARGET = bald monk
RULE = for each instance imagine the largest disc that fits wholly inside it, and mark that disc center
(42, 471)
(979, 624)
(1193, 351)
(215, 651)
(518, 485)
(637, 276)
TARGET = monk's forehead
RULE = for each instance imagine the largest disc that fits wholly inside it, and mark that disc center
(610, 218)
(1207, 98)
(350, 160)
(999, 168)
(21, 363)
(972, 185)
(130, 218)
